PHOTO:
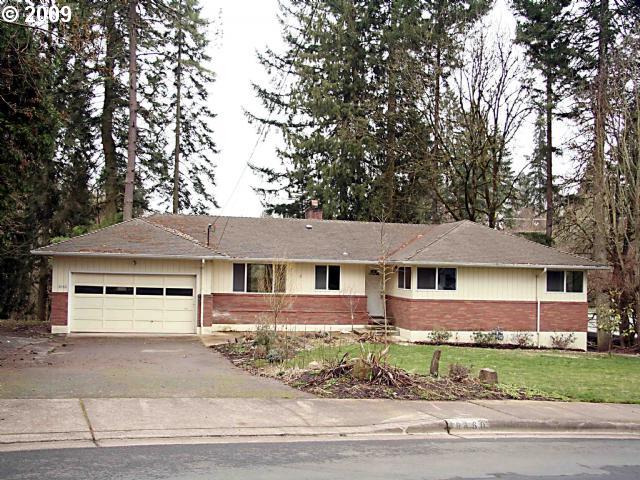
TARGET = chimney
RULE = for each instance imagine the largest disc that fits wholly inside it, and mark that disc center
(313, 211)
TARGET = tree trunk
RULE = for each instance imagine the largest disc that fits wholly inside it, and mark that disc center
(176, 160)
(599, 215)
(549, 156)
(133, 112)
(111, 187)
(435, 168)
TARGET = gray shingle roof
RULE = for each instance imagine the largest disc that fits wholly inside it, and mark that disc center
(134, 237)
(458, 243)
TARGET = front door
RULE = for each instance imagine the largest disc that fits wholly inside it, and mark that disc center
(374, 298)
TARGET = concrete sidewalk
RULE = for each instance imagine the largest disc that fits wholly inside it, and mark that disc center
(107, 421)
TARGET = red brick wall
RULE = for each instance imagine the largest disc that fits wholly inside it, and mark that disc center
(232, 308)
(563, 316)
(207, 310)
(471, 315)
(59, 310)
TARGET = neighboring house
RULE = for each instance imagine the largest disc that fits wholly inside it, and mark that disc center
(199, 274)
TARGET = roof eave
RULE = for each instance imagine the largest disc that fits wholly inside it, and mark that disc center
(502, 265)
(49, 253)
(320, 260)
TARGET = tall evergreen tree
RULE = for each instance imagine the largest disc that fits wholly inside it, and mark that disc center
(357, 74)
(533, 183)
(29, 124)
(544, 28)
(193, 145)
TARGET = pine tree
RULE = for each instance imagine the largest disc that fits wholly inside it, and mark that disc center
(29, 124)
(545, 29)
(323, 106)
(194, 147)
(533, 183)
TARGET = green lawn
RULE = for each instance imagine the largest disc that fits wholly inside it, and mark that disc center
(586, 377)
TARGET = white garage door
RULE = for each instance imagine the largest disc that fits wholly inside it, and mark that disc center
(133, 303)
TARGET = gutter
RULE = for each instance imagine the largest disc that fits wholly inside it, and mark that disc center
(127, 255)
(202, 297)
(324, 260)
(544, 270)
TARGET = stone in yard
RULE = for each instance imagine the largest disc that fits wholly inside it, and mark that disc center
(488, 375)
(435, 363)
(314, 365)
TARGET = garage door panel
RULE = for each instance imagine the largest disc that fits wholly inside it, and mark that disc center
(88, 279)
(117, 302)
(178, 281)
(130, 312)
(149, 281)
(87, 325)
(174, 327)
(176, 305)
(82, 301)
(148, 326)
(88, 314)
(150, 303)
(178, 316)
(119, 280)
(118, 326)
(116, 314)
(148, 315)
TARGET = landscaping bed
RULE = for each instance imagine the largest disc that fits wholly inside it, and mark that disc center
(339, 366)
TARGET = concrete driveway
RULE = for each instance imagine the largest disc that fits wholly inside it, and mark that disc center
(126, 367)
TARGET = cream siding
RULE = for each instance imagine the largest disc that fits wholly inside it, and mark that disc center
(510, 284)
(473, 283)
(300, 279)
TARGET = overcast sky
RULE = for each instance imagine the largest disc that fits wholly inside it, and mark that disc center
(247, 26)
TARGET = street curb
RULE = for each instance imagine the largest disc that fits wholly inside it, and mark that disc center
(449, 426)
(483, 424)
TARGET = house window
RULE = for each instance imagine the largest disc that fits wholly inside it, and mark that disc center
(149, 290)
(447, 278)
(404, 278)
(119, 290)
(574, 281)
(437, 278)
(427, 278)
(327, 277)
(570, 281)
(179, 292)
(89, 289)
(259, 278)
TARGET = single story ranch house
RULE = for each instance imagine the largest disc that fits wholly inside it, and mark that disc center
(182, 274)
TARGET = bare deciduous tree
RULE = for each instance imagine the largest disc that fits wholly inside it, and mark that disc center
(486, 106)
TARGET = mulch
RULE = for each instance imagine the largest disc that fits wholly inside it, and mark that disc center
(338, 381)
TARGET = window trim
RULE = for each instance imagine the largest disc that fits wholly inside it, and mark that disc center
(326, 281)
(564, 282)
(246, 278)
(437, 287)
(404, 278)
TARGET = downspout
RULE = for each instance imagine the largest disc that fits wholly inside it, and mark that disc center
(544, 270)
(202, 297)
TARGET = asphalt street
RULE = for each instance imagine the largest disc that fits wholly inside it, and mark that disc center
(368, 459)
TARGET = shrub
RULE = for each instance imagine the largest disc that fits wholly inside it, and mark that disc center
(522, 339)
(439, 335)
(458, 372)
(562, 341)
(265, 335)
(488, 338)
(274, 356)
